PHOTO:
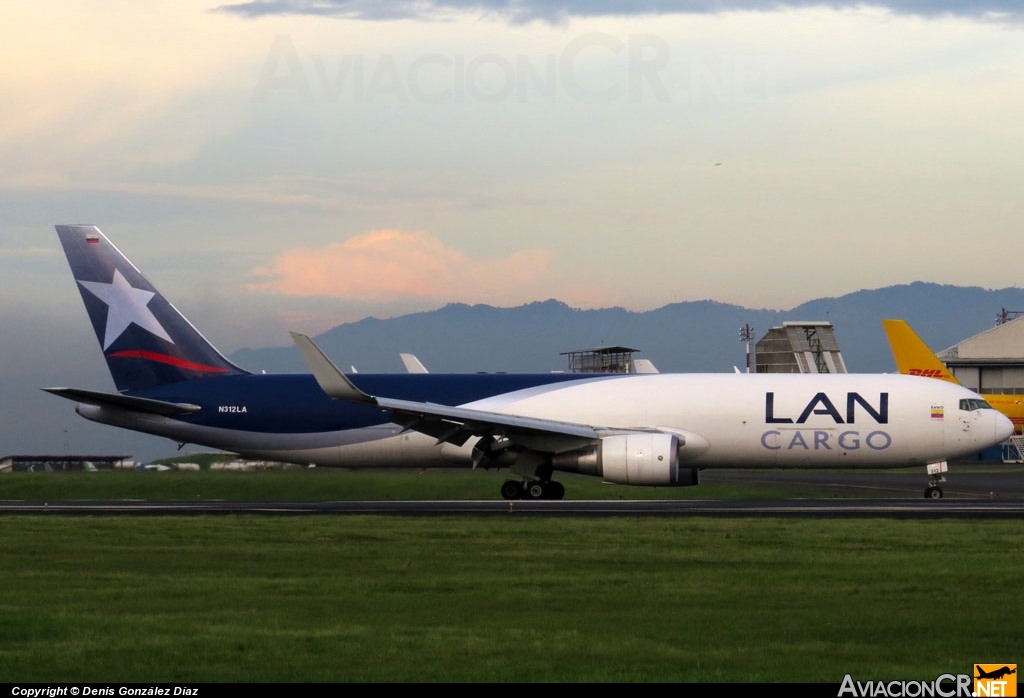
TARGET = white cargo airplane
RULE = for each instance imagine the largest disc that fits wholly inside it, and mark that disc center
(653, 429)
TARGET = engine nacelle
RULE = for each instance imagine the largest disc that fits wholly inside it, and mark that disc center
(632, 459)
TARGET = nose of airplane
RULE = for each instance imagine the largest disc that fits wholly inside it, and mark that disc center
(1004, 427)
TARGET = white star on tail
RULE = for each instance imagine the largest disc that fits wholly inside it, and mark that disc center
(125, 305)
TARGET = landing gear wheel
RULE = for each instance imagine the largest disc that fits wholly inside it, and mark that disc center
(556, 490)
(933, 493)
(536, 490)
(511, 489)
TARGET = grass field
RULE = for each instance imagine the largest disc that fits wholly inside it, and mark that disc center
(387, 599)
(479, 599)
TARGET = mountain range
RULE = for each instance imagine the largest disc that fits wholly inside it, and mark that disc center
(680, 337)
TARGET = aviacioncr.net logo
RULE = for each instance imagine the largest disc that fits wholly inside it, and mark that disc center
(945, 686)
(995, 680)
(987, 681)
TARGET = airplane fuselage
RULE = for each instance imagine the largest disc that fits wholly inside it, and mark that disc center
(726, 420)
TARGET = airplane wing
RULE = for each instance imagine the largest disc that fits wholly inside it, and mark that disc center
(530, 445)
(451, 424)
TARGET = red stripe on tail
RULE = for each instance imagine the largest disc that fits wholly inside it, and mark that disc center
(165, 359)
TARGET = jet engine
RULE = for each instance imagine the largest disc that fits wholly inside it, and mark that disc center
(638, 458)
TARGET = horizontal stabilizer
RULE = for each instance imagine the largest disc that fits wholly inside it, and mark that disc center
(124, 402)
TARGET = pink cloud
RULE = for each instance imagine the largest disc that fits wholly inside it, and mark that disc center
(391, 265)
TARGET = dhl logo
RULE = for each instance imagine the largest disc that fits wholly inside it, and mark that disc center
(927, 372)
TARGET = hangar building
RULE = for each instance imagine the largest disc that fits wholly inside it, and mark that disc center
(991, 362)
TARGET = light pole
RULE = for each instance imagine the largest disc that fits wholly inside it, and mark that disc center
(746, 335)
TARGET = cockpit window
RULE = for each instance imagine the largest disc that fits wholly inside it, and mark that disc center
(971, 404)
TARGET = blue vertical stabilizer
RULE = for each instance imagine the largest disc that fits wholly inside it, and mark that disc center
(145, 340)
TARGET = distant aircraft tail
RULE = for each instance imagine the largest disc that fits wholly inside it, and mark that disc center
(147, 342)
(912, 355)
(412, 363)
(643, 366)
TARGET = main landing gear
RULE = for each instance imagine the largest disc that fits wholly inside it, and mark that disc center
(532, 489)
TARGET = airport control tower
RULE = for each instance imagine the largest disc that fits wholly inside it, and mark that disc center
(607, 360)
(800, 347)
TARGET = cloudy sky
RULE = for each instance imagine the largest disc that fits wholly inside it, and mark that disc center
(295, 164)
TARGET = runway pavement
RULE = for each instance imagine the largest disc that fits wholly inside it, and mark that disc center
(972, 490)
(965, 480)
(831, 508)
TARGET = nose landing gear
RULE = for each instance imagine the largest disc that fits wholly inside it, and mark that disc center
(936, 476)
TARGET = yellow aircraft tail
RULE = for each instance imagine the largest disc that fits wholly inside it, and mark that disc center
(914, 357)
(911, 353)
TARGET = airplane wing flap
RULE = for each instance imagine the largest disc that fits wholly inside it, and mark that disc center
(480, 422)
(457, 424)
(441, 429)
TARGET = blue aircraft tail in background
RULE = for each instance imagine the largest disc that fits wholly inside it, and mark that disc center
(146, 341)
